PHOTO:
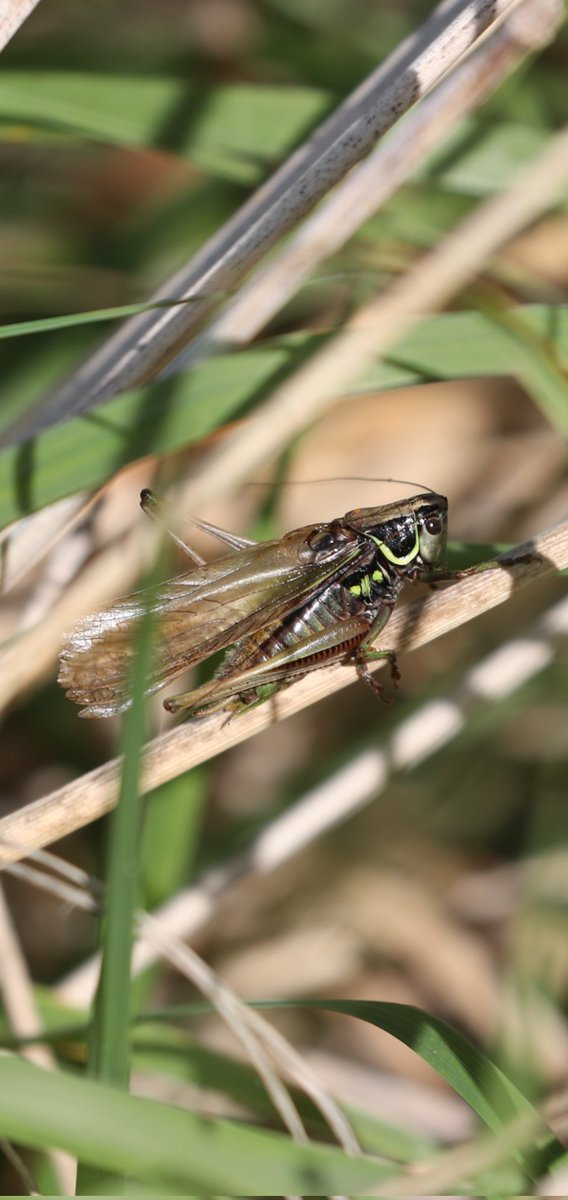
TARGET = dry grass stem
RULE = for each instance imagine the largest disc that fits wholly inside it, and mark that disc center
(344, 793)
(374, 181)
(148, 341)
(172, 753)
(17, 991)
(13, 14)
(68, 894)
(24, 543)
(259, 1039)
(379, 325)
(231, 1010)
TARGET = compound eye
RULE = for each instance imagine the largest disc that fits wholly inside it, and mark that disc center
(433, 525)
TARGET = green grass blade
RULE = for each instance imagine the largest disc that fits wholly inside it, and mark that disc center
(172, 828)
(481, 157)
(70, 320)
(490, 1093)
(84, 452)
(473, 345)
(236, 128)
(88, 450)
(109, 1053)
(174, 1149)
(232, 132)
(470, 1072)
(169, 1051)
(535, 360)
(461, 555)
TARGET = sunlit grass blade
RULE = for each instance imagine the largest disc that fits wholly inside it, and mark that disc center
(109, 1053)
(173, 1148)
(90, 317)
(87, 450)
(536, 361)
(468, 1070)
(236, 130)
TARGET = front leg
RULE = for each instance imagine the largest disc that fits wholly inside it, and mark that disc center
(447, 576)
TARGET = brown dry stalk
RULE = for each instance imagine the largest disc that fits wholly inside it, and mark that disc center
(169, 755)
(146, 342)
(380, 324)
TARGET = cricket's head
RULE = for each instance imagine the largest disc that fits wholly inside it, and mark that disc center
(409, 533)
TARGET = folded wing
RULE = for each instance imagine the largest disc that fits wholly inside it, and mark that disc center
(195, 615)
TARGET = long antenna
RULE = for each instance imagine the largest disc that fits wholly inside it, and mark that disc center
(342, 479)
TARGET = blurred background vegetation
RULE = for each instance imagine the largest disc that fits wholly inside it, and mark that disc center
(128, 133)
